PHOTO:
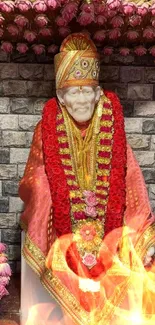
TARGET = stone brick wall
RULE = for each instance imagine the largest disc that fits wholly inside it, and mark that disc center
(24, 87)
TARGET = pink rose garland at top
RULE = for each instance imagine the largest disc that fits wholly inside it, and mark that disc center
(5, 272)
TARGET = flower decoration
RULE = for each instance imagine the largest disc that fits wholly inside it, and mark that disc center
(117, 21)
(22, 48)
(101, 20)
(132, 35)
(152, 50)
(21, 20)
(61, 22)
(149, 32)
(113, 4)
(51, 4)
(85, 18)
(39, 6)
(29, 35)
(69, 11)
(41, 20)
(64, 31)
(7, 47)
(13, 30)
(45, 32)
(88, 232)
(38, 48)
(140, 50)
(152, 9)
(1, 32)
(108, 50)
(114, 33)
(128, 8)
(135, 20)
(89, 260)
(143, 9)
(52, 49)
(124, 51)
(23, 5)
(7, 6)
(5, 271)
(2, 19)
(100, 35)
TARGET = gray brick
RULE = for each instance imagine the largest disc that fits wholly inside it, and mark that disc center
(109, 73)
(144, 108)
(131, 74)
(153, 142)
(149, 175)
(28, 122)
(15, 88)
(8, 220)
(117, 58)
(10, 188)
(21, 168)
(31, 71)
(152, 202)
(140, 91)
(14, 139)
(145, 158)
(4, 105)
(128, 107)
(29, 136)
(18, 155)
(4, 57)
(150, 74)
(14, 252)
(15, 204)
(41, 88)
(8, 122)
(4, 156)
(8, 71)
(152, 191)
(49, 72)
(39, 104)
(149, 126)
(133, 125)
(8, 171)
(10, 236)
(22, 105)
(4, 205)
(0, 188)
(119, 88)
(139, 141)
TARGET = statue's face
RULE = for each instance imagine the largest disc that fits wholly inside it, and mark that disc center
(79, 101)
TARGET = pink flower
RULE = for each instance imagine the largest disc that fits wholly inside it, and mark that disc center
(140, 50)
(52, 3)
(128, 8)
(4, 280)
(7, 47)
(69, 11)
(41, 20)
(64, 31)
(101, 20)
(117, 21)
(100, 35)
(87, 7)
(13, 30)
(39, 6)
(61, 21)
(2, 248)
(114, 33)
(143, 9)
(85, 18)
(3, 291)
(7, 6)
(152, 50)
(90, 198)
(91, 211)
(38, 48)
(23, 5)
(3, 259)
(124, 51)
(45, 32)
(108, 50)
(29, 35)
(149, 32)
(112, 4)
(5, 269)
(22, 48)
(89, 259)
(1, 19)
(21, 20)
(88, 232)
(111, 13)
(153, 22)
(135, 20)
(52, 49)
(80, 215)
(152, 9)
(100, 8)
(132, 34)
(1, 32)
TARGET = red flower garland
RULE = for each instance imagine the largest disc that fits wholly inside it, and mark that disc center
(57, 177)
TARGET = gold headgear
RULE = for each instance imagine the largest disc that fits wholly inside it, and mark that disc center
(77, 63)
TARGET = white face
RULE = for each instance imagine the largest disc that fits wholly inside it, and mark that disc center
(79, 101)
